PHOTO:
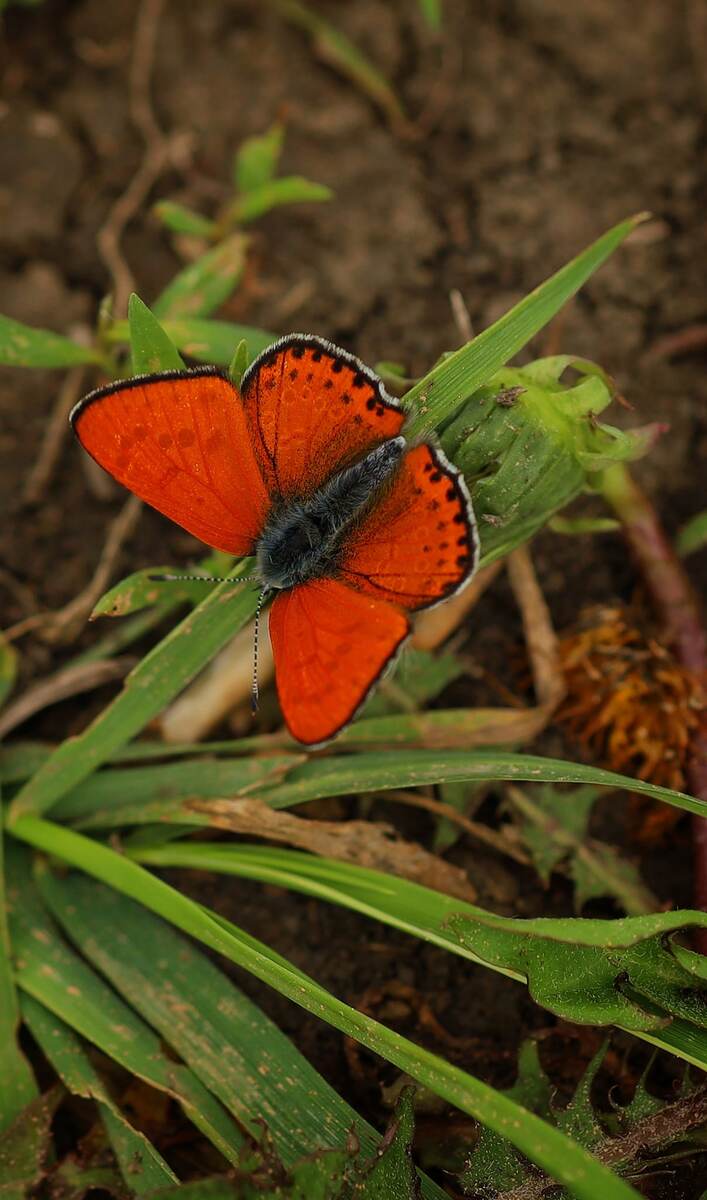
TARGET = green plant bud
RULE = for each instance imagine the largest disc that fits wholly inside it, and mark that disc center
(529, 443)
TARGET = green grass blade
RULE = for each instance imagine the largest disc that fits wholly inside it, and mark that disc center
(23, 346)
(116, 797)
(441, 392)
(141, 1165)
(206, 284)
(340, 775)
(50, 971)
(237, 1052)
(160, 675)
(17, 1085)
(403, 905)
(150, 347)
(163, 789)
(572, 1166)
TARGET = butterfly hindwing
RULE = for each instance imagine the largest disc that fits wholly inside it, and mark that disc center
(330, 644)
(313, 410)
(181, 442)
(418, 545)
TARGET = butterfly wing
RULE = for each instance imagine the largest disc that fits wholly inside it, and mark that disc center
(331, 645)
(181, 442)
(313, 410)
(418, 545)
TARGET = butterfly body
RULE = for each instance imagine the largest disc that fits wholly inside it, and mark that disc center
(306, 467)
(303, 538)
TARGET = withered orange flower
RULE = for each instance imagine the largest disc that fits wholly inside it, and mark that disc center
(628, 699)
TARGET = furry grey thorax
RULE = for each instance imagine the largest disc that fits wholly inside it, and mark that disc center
(302, 538)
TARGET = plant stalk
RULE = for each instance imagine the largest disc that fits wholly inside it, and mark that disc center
(679, 611)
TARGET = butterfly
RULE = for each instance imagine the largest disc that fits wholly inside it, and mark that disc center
(305, 466)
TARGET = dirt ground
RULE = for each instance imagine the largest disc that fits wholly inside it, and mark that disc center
(534, 126)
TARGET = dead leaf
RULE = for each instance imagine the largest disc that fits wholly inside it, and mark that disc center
(367, 844)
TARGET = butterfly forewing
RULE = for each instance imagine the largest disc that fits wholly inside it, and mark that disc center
(418, 544)
(181, 442)
(313, 410)
(330, 645)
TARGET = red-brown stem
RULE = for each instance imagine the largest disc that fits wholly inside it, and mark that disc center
(678, 609)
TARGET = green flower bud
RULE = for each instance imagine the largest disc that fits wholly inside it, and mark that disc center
(528, 444)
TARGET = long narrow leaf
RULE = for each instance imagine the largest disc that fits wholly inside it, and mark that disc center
(50, 971)
(442, 391)
(17, 1085)
(426, 914)
(237, 1052)
(141, 1165)
(572, 1166)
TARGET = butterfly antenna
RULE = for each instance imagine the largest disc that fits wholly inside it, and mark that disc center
(201, 579)
(254, 693)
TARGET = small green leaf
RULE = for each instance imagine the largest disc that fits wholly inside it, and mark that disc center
(142, 1167)
(181, 219)
(432, 12)
(150, 346)
(23, 346)
(393, 1171)
(9, 662)
(206, 341)
(292, 189)
(578, 1119)
(206, 284)
(495, 1166)
(693, 535)
(255, 161)
(592, 971)
(238, 364)
(25, 1147)
(140, 590)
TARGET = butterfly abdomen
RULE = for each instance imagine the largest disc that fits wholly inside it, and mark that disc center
(302, 538)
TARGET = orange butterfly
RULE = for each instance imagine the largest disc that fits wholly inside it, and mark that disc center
(304, 467)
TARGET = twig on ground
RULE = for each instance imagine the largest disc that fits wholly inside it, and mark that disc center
(460, 312)
(482, 833)
(62, 625)
(69, 682)
(156, 154)
(682, 341)
(540, 638)
(55, 435)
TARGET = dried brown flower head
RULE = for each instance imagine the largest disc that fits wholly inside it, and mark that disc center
(628, 699)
